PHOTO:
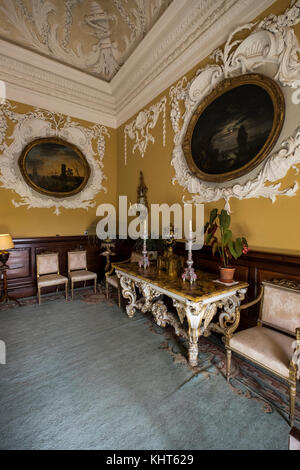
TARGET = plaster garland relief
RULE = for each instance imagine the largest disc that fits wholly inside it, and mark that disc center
(139, 129)
(272, 43)
(41, 123)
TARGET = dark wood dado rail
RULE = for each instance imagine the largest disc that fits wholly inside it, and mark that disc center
(254, 267)
(22, 281)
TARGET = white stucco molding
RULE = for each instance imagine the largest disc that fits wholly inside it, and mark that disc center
(184, 35)
(39, 124)
(271, 47)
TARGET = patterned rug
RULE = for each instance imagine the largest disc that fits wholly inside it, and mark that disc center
(246, 380)
(86, 294)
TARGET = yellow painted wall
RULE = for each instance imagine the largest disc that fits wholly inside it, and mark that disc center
(23, 222)
(267, 226)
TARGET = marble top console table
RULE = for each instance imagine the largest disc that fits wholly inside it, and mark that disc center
(206, 305)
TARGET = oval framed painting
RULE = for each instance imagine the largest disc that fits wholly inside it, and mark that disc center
(234, 128)
(54, 167)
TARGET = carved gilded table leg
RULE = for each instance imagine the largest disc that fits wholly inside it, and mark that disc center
(128, 292)
(195, 313)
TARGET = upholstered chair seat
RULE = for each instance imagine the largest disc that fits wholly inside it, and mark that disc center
(271, 349)
(48, 280)
(82, 275)
(47, 267)
(274, 343)
(77, 269)
(113, 281)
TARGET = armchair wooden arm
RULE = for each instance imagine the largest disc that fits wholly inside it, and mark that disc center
(111, 271)
(231, 328)
(253, 302)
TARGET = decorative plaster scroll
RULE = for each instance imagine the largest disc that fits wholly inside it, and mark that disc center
(139, 129)
(272, 42)
(96, 37)
(41, 123)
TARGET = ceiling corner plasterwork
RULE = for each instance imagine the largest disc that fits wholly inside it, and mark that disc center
(42, 82)
(38, 124)
(270, 42)
(183, 33)
(187, 33)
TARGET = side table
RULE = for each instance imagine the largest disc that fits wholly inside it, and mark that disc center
(6, 297)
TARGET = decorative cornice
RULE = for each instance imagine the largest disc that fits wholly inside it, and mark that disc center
(184, 35)
(40, 81)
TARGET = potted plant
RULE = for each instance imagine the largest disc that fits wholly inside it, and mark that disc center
(219, 236)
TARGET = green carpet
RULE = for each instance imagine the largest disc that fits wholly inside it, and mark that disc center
(84, 376)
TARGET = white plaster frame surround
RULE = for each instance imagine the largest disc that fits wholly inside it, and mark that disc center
(271, 42)
(39, 124)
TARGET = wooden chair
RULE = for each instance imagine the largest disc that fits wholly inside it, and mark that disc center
(47, 267)
(112, 280)
(77, 269)
(271, 344)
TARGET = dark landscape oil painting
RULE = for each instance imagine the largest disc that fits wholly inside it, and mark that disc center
(54, 167)
(232, 130)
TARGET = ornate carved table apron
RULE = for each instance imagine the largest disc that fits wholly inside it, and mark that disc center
(198, 303)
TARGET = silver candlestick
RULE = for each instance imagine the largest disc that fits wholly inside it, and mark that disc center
(144, 262)
(189, 272)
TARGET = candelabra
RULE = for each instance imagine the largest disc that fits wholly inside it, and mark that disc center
(144, 262)
(107, 244)
(189, 272)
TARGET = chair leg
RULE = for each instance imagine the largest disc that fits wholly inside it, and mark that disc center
(95, 285)
(292, 403)
(39, 295)
(106, 288)
(66, 287)
(72, 289)
(119, 297)
(228, 364)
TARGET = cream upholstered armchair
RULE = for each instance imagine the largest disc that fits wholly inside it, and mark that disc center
(77, 269)
(112, 280)
(272, 343)
(47, 267)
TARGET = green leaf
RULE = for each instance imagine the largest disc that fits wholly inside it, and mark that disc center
(238, 246)
(224, 219)
(244, 241)
(213, 215)
(231, 247)
(226, 237)
(214, 246)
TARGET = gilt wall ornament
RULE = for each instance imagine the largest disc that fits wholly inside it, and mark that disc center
(42, 126)
(139, 129)
(272, 47)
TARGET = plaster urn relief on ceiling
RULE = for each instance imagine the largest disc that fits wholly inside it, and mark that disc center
(41, 127)
(96, 36)
(269, 54)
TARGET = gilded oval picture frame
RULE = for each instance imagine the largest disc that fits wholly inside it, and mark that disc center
(234, 128)
(54, 167)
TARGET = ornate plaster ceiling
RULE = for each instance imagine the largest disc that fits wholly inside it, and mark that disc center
(96, 36)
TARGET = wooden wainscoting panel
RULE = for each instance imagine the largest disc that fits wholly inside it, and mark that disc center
(264, 275)
(22, 281)
(19, 257)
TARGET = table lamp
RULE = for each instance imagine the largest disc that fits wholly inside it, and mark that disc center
(6, 243)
